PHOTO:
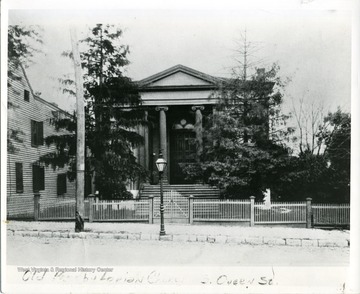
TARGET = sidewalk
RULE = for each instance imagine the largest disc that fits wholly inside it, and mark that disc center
(186, 233)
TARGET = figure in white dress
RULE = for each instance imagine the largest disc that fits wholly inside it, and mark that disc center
(267, 199)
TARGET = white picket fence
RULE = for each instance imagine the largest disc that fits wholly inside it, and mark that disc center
(60, 209)
(130, 210)
(221, 210)
(200, 210)
(331, 214)
(280, 213)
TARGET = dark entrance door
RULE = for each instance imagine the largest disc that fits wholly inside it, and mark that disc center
(182, 150)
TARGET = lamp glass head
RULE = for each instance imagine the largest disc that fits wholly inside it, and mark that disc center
(161, 164)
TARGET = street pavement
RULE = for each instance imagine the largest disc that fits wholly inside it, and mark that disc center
(215, 258)
(119, 252)
(283, 236)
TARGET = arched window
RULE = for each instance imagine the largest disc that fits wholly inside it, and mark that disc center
(182, 124)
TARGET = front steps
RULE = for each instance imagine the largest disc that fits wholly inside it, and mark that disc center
(197, 190)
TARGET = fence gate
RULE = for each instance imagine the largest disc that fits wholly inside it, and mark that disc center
(176, 207)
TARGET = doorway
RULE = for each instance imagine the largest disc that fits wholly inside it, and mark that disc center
(182, 150)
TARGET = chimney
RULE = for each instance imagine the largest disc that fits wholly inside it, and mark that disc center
(260, 73)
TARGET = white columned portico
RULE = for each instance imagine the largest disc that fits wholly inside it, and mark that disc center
(179, 94)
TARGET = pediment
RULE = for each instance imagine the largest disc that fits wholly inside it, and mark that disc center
(179, 76)
(180, 79)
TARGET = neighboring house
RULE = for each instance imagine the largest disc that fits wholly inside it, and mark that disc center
(28, 124)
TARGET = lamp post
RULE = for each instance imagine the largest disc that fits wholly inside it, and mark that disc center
(161, 165)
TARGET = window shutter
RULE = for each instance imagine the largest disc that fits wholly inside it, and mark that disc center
(33, 133)
(37, 133)
(19, 177)
(59, 192)
(42, 178)
(61, 184)
(26, 95)
(35, 171)
(64, 181)
(38, 178)
(40, 133)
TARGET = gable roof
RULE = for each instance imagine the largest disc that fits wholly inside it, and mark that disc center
(53, 106)
(211, 80)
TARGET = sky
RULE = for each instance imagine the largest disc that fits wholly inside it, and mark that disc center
(311, 46)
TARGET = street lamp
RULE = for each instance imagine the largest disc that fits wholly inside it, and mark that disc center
(161, 165)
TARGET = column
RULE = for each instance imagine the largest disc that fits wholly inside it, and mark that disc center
(146, 141)
(141, 148)
(198, 129)
(163, 139)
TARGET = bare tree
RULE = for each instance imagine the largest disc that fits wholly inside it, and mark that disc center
(245, 56)
(309, 119)
(252, 73)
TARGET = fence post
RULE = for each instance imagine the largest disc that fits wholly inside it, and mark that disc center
(308, 212)
(191, 209)
(36, 206)
(252, 211)
(91, 198)
(151, 209)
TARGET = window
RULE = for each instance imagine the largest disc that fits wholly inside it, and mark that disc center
(19, 177)
(37, 133)
(38, 178)
(61, 184)
(26, 95)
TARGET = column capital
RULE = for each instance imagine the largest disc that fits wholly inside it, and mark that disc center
(159, 108)
(197, 107)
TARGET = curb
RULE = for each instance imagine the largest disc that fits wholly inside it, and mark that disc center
(219, 239)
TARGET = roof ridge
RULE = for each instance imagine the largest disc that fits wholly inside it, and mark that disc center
(38, 98)
(51, 104)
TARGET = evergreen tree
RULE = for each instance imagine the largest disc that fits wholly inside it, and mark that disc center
(244, 137)
(337, 137)
(112, 114)
(338, 143)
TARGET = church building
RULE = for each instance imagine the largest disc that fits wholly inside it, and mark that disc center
(178, 101)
